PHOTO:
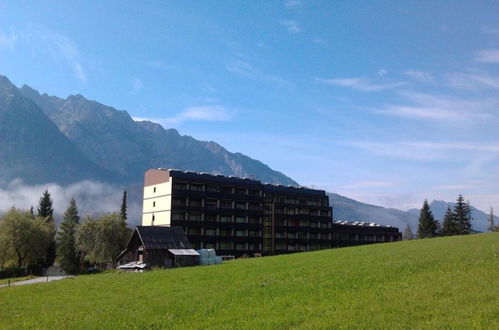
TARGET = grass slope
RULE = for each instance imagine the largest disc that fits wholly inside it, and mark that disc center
(450, 282)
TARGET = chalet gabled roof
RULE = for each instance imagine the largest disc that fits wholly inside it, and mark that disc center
(162, 238)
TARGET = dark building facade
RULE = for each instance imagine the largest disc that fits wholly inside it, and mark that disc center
(239, 216)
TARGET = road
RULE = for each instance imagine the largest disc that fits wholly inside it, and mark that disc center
(42, 279)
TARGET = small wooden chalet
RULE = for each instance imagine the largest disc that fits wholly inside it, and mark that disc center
(159, 247)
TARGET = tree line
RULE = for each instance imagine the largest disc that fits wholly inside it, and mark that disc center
(457, 221)
(29, 241)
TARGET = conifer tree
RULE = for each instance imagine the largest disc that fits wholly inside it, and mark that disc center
(408, 234)
(449, 227)
(45, 207)
(123, 209)
(428, 226)
(46, 211)
(491, 217)
(68, 255)
(462, 216)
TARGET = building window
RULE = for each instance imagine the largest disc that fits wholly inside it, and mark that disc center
(195, 187)
(195, 203)
(225, 218)
(153, 204)
(240, 205)
(154, 189)
(209, 245)
(240, 233)
(241, 191)
(226, 245)
(210, 203)
(255, 220)
(226, 204)
(211, 188)
(241, 247)
(210, 217)
(226, 190)
(179, 186)
(255, 207)
(178, 202)
(240, 219)
(254, 192)
(178, 216)
(195, 216)
(153, 217)
(224, 232)
(210, 232)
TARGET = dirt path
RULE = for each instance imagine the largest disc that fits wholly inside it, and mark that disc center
(42, 279)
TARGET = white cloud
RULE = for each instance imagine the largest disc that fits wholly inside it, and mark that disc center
(92, 198)
(370, 184)
(382, 72)
(137, 85)
(211, 113)
(293, 3)
(320, 41)
(8, 40)
(425, 151)
(248, 71)
(421, 76)
(472, 81)
(291, 26)
(440, 107)
(62, 47)
(487, 55)
(361, 84)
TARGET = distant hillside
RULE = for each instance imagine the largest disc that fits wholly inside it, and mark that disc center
(48, 139)
(351, 210)
(438, 208)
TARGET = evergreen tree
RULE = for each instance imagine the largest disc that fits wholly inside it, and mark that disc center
(462, 216)
(67, 252)
(123, 207)
(492, 226)
(45, 207)
(449, 227)
(46, 211)
(408, 234)
(428, 226)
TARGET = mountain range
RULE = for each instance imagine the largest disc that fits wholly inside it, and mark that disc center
(50, 139)
(47, 139)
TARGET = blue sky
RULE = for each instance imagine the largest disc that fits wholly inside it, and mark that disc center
(387, 102)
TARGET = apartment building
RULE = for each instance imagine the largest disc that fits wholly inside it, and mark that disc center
(240, 216)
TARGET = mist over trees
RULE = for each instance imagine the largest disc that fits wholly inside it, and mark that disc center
(28, 242)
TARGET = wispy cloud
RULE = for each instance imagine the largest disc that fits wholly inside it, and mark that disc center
(424, 151)
(291, 26)
(137, 85)
(63, 47)
(420, 76)
(212, 113)
(472, 81)
(382, 72)
(8, 40)
(293, 3)
(320, 41)
(361, 84)
(439, 107)
(469, 185)
(487, 55)
(370, 184)
(248, 71)
(92, 198)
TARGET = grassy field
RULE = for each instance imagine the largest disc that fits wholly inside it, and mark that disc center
(450, 282)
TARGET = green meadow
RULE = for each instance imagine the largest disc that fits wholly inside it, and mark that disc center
(450, 282)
